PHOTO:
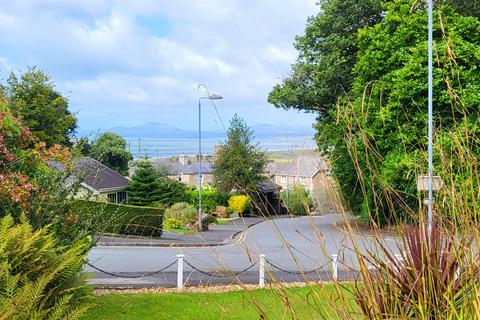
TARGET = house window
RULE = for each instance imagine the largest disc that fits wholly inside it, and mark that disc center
(112, 197)
(122, 197)
(283, 179)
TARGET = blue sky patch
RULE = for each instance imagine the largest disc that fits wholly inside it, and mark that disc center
(158, 26)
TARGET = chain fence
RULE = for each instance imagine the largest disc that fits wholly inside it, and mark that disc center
(218, 274)
(262, 263)
(300, 272)
(145, 274)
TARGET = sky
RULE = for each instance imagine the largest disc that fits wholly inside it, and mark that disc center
(124, 63)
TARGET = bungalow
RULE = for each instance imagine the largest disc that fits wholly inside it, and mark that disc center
(98, 181)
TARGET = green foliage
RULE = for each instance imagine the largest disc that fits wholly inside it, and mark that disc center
(119, 218)
(297, 200)
(386, 123)
(239, 203)
(327, 55)
(240, 162)
(374, 132)
(52, 204)
(38, 278)
(436, 278)
(110, 149)
(211, 198)
(464, 7)
(183, 212)
(82, 148)
(173, 224)
(144, 186)
(43, 109)
(171, 191)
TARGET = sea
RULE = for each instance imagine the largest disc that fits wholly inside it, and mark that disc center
(168, 147)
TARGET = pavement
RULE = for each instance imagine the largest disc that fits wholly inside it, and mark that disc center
(297, 248)
(218, 234)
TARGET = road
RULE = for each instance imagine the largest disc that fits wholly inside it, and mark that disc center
(302, 243)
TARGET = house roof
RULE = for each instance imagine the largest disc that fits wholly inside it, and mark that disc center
(175, 167)
(268, 186)
(94, 174)
(302, 166)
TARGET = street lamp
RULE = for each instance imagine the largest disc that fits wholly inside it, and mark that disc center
(210, 97)
(430, 118)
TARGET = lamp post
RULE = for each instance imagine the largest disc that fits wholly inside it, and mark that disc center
(210, 97)
(430, 117)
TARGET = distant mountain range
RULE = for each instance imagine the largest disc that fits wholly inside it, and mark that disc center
(162, 130)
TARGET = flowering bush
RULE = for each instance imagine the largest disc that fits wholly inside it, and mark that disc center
(239, 203)
(172, 224)
(182, 212)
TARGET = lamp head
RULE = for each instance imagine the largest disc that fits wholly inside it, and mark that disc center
(215, 97)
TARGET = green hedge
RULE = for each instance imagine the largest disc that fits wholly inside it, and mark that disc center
(121, 219)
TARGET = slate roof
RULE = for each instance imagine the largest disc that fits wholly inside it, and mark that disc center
(176, 168)
(268, 186)
(94, 174)
(302, 166)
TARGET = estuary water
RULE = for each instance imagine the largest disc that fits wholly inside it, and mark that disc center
(167, 147)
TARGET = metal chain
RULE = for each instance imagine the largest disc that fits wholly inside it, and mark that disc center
(131, 276)
(295, 272)
(220, 275)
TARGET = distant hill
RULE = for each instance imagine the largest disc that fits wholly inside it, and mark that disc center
(162, 130)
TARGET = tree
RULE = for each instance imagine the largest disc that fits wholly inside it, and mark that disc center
(374, 128)
(239, 163)
(327, 55)
(465, 7)
(110, 149)
(382, 129)
(43, 109)
(171, 191)
(144, 187)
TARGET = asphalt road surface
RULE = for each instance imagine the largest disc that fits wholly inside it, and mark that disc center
(291, 245)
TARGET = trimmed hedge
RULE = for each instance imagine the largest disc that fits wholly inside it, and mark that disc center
(122, 219)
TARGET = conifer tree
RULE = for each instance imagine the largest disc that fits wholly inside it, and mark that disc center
(144, 187)
(240, 162)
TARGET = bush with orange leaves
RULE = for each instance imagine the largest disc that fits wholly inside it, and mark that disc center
(28, 186)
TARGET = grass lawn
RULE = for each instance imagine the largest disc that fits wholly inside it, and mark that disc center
(291, 303)
(179, 230)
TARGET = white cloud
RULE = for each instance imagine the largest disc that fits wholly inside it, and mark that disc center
(109, 64)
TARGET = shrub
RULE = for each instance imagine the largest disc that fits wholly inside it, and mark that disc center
(436, 278)
(172, 223)
(211, 198)
(239, 203)
(120, 219)
(171, 191)
(182, 212)
(297, 200)
(38, 278)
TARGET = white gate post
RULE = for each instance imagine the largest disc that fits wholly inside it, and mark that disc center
(334, 267)
(180, 271)
(261, 271)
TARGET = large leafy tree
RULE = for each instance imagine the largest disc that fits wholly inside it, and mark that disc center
(144, 186)
(43, 109)
(327, 55)
(385, 123)
(240, 162)
(111, 149)
(374, 128)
